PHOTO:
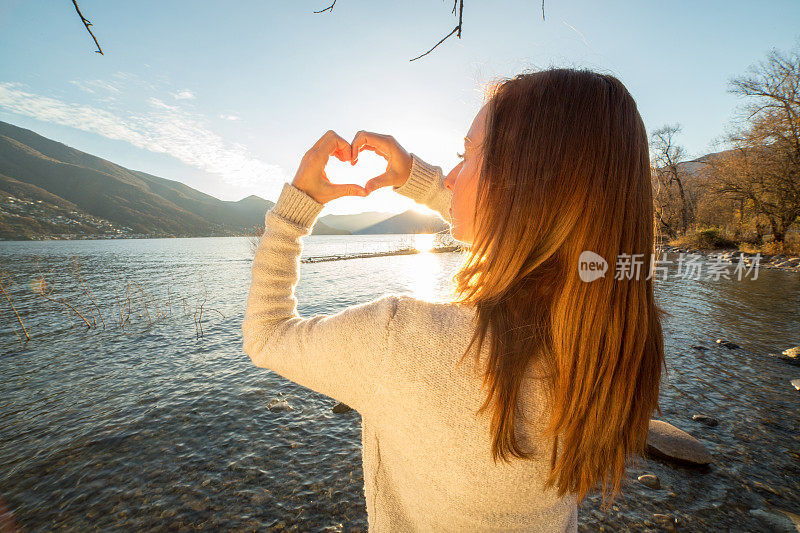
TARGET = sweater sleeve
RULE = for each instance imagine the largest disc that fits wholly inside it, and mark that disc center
(338, 355)
(425, 185)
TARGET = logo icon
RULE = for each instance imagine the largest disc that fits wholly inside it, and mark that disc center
(591, 266)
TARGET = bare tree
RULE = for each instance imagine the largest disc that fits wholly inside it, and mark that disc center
(763, 169)
(666, 156)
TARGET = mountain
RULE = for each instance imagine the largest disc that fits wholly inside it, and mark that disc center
(354, 223)
(407, 222)
(49, 188)
(697, 167)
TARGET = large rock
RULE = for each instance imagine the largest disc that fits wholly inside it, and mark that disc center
(668, 442)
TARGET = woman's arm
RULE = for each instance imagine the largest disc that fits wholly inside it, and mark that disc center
(337, 355)
(425, 185)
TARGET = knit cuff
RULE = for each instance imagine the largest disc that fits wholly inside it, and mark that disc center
(421, 181)
(296, 206)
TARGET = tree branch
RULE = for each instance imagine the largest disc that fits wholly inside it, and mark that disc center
(456, 30)
(457, 5)
(87, 24)
(329, 8)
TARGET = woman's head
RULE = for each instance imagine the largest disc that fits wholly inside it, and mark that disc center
(564, 169)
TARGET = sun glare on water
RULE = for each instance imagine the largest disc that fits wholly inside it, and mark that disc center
(424, 241)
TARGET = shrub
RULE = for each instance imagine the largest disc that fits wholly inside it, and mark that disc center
(705, 239)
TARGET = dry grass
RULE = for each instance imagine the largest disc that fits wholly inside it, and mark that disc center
(66, 294)
(704, 239)
(714, 239)
(3, 277)
(791, 246)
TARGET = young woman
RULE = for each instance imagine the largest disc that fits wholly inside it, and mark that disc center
(565, 374)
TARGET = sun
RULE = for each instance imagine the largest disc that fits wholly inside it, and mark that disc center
(424, 241)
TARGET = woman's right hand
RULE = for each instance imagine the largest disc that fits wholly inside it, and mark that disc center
(398, 161)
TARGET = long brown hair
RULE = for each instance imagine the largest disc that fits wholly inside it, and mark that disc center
(566, 169)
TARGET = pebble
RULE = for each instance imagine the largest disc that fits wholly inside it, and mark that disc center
(666, 441)
(279, 405)
(650, 480)
(259, 498)
(198, 505)
(792, 352)
(667, 521)
(796, 383)
(710, 421)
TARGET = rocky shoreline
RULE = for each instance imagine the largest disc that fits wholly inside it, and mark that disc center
(769, 261)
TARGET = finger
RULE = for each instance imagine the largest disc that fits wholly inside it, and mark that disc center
(377, 182)
(349, 189)
(343, 152)
(323, 140)
(331, 144)
(375, 142)
(313, 155)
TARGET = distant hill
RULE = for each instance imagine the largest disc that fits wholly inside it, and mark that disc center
(407, 222)
(74, 191)
(356, 222)
(696, 167)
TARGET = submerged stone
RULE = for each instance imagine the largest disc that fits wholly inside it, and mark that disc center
(279, 405)
(728, 344)
(780, 521)
(668, 442)
(710, 421)
(650, 480)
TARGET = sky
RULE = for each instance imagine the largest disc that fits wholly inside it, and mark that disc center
(227, 97)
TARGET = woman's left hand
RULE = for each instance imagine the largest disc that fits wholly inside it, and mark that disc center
(311, 178)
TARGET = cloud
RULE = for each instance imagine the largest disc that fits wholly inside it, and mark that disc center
(160, 128)
(183, 95)
(230, 117)
(95, 86)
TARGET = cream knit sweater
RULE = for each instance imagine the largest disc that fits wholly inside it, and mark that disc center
(426, 454)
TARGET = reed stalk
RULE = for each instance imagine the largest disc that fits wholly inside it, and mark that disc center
(16, 313)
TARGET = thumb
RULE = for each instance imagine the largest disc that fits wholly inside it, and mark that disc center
(377, 182)
(350, 190)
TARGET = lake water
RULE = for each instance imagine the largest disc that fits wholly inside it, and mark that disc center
(156, 424)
